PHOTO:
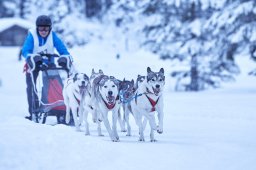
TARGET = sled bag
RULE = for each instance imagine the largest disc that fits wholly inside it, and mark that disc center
(52, 90)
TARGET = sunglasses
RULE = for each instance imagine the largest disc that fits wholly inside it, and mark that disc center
(41, 28)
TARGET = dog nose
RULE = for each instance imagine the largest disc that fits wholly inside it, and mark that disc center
(110, 93)
(157, 86)
(83, 82)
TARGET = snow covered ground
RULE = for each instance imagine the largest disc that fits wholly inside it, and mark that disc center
(209, 130)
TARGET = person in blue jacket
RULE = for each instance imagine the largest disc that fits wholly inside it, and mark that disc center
(41, 40)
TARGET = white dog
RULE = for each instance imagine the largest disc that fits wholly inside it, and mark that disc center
(105, 91)
(148, 99)
(91, 103)
(75, 92)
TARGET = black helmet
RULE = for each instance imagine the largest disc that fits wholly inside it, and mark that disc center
(43, 20)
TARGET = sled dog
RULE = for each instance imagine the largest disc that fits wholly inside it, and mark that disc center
(105, 91)
(92, 102)
(148, 98)
(75, 92)
(126, 93)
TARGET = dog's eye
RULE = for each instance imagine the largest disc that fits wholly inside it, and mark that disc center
(114, 86)
(161, 80)
(152, 79)
(105, 86)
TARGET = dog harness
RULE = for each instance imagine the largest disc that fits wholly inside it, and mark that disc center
(153, 103)
(78, 101)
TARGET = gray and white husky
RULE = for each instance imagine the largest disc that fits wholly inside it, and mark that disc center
(105, 91)
(92, 102)
(150, 100)
(75, 92)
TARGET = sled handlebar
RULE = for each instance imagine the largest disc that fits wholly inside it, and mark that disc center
(49, 55)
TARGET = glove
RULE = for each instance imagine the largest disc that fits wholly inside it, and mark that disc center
(65, 61)
(34, 61)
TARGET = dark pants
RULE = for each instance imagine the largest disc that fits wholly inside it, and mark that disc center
(33, 103)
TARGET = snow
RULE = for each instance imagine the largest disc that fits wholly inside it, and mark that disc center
(209, 130)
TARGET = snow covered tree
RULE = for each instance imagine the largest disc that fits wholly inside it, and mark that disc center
(205, 35)
(8, 8)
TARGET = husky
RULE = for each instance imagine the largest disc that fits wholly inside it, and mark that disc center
(139, 80)
(150, 100)
(92, 103)
(75, 91)
(106, 93)
(126, 93)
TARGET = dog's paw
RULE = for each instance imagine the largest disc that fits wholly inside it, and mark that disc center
(128, 134)
(123, 130)
(141, 140)
(153, 140)
(116, 139)
(159, 130)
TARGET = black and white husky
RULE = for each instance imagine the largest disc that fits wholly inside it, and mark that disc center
(148, 99)
(105, 89)
(75, 92)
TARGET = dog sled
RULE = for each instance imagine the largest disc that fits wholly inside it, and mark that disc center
(49, 87)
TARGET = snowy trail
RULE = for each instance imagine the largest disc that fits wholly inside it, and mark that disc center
(213, 130)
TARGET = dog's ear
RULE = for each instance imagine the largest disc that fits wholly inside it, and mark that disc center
(149, 70)
(101, 80)
(161, 71)
(100, 71)
(93, 72)
(75, 77)
(85, 76)
(132, 82)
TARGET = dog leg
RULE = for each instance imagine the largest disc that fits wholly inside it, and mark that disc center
(160, 121)
(122, 126)
(81, 114)
(114, 122)
(126, 118)
(86, 124)
(99, 129)
(74, 113)
(94, 115)
(151, 119)
(67, 119)
(152, 136)
(141, 130)
(144, 123)
(107, 125)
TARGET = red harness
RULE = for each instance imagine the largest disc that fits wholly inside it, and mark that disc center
(153, 103)
(78, 101)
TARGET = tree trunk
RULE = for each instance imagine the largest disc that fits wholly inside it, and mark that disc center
(194, 84)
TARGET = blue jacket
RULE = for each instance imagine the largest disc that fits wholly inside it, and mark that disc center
(29, 45)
